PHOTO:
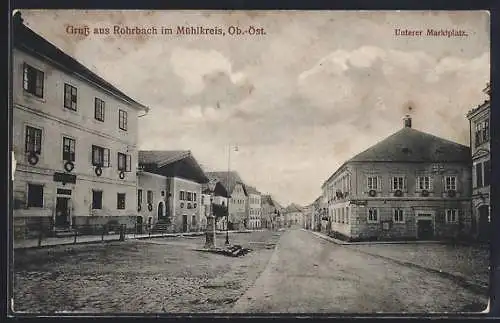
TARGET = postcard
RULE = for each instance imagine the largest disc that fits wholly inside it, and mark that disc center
(256, 162)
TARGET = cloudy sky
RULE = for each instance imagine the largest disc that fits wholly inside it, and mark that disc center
(318, 88)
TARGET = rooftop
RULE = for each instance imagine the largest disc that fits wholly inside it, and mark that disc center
(27, 40)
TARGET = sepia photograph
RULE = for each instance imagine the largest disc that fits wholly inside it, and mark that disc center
(249, 162)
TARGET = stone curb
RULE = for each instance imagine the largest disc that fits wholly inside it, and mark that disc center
(66, 244)
(476, 286)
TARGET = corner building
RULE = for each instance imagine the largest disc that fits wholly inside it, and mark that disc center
(411, 185)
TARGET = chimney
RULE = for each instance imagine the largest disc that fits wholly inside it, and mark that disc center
(17, 19)
(407, 121)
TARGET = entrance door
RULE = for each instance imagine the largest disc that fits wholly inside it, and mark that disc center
(139, 226)
(160, 210)
(184, 223)
(484, 225)
(425, 231)
(62, 212)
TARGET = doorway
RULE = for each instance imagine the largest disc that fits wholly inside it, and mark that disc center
(425, 229)
(62, 212)
(160, 210)
(184, 223)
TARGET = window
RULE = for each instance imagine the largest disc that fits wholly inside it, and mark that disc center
(124, 162)
(372, 215)
(139, 197)
(398, 183)
(450, 183)
(347, 215)
(100, 156)
(373, 183)
(120, 201)
(99, 107)
(194, 197)
(479, 175)
(150, 197)
(33, 140)
(193, 220)
(122, 119)
(70, 97)
(482, 133)
(33, 80)
(189, 196)
(398, 216)
(424, 183)
(162, 193)
(35, 195)
(487, 172)
(96, 200)
(451, 216)
(68, 149)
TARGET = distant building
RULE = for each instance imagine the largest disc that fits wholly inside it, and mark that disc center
(183, 177)
(239, 198)
(308, 214)
(317, 213)
(270, 213)
(74, 140)
(293, 216)
(254, 209)
(411, 185)
(479, 119)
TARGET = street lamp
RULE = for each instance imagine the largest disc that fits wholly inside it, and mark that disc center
(229, 193)
(210, 234)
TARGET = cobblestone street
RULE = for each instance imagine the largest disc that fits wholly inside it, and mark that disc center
(140, 276)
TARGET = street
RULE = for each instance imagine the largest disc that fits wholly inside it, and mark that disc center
(287, 272)
(308, 274)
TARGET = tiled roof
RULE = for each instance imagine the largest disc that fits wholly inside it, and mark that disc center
(229, 180)
(162, 157)
(410, 145)
(27, 40)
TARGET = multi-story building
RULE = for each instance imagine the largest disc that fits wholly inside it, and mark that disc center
(254, 208)
(317, 214)
(308, 215)
(479, 120)
(237, 203)
(152, 199)
(74, 140)
(411, 185)
(293, 216)
(269, 211)
(184, 178)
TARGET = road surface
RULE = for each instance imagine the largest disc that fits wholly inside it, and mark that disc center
(307, 274)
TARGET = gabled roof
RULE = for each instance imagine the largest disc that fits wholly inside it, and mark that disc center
(410, 145)
(228, 179)
(27, 40)
(162, 157)
(219, 190)
(167, 159)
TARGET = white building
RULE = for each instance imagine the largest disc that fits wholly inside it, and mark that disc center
(74, 138)
(254, 216)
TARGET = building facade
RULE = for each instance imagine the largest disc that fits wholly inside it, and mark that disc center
(184, 179)
(479, 120)
(254, 208)
(74, 141)
(411, 185)
(238, 198)
(152, 195)
(293, 216)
